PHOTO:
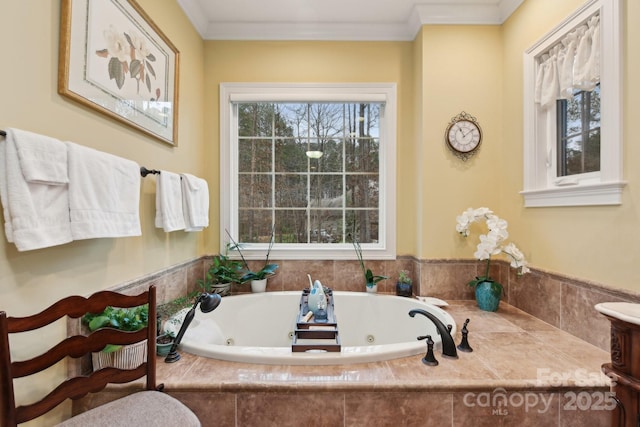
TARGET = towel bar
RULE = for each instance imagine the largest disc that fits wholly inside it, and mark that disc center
(144, 171)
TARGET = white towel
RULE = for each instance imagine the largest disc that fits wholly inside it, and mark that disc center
(195, 202)
(104, 194)
(4, 196)
(169, 214)
(35, 202)
(42, 159)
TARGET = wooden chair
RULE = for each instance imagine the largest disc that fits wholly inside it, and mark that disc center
(144, 408)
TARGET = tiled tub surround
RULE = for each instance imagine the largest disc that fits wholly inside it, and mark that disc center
(510, 346)
(564, 302)
(535, 370)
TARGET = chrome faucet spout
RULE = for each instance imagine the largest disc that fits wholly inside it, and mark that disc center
(448, 345)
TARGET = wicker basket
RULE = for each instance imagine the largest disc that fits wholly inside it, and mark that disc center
(128, 357)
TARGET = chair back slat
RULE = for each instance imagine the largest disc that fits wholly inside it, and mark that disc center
(75, 346)
(76, 388)
(7, 403)
(74, 307)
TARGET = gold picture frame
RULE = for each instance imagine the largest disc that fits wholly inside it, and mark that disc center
(114, 59)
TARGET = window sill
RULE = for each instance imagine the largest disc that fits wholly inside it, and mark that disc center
(607, 193)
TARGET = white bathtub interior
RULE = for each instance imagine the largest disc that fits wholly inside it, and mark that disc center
(258, 328)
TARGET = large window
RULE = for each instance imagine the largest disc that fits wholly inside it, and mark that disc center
(573, 111)
(314, 164)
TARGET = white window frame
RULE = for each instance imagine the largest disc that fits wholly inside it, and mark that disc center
(385, 93)
(542, 186)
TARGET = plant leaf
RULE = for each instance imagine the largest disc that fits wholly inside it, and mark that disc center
(110, 348)
(134, 68)
(128, 39)
(116, 71)
(150, 68)
(98, 322)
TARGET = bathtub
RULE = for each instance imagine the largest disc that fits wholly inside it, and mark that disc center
(258, 328)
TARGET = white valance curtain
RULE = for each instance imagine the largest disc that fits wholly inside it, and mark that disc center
(574, 63)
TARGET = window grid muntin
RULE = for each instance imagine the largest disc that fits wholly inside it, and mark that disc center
(344, 138)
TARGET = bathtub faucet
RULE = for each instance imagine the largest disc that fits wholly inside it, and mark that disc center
(448, 346)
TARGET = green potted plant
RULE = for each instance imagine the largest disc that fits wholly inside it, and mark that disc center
(222, 273)
(371, 280)
(163, 344)
(488, 291)
(124, 319)
(259, 277)
(404, 284)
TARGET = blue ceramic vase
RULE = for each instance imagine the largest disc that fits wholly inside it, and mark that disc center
(488, 294)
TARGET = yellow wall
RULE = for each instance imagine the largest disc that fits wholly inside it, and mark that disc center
(601, 244)
(461, 71)
(446, 70)
(30, 281)
(321, 62)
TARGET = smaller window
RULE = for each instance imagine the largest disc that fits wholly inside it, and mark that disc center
(573, 111)
(579, 133)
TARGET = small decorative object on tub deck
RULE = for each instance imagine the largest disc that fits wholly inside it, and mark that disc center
(163, 344)
(317, 301)
(488, 291)
(208, 303)
(124, 319)
(260, 276)
(429, 358)
(370, 280)
(222, 273)
(464, 344)
(403, 286)
(320, 331)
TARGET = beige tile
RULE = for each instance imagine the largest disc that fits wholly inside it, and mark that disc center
(196, 271)
(171, 285)
(505, 408)
(585, 355)
(290, 409)
(580, 318)
(447, 280)
(401, 408)
(347, 277)
(523, 320)
(520, 356)
(538, 295)
(294, 273)
(449, 373)
(365, 375)
(484, 321)
(585, 408)
(212, 409)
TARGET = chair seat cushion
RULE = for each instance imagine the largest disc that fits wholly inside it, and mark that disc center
(145, 408)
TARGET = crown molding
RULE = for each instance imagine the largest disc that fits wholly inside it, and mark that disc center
(196, 15)
(440, 13)
(355, 31)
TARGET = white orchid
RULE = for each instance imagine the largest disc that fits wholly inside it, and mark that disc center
(492, 243)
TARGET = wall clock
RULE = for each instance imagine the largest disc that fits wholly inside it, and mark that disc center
(463, 135)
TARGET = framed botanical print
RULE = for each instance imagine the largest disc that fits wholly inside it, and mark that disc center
(114, 59)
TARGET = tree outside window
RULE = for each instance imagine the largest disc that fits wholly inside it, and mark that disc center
(309, 197)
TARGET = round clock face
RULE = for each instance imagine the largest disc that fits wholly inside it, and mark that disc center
(463, 136)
